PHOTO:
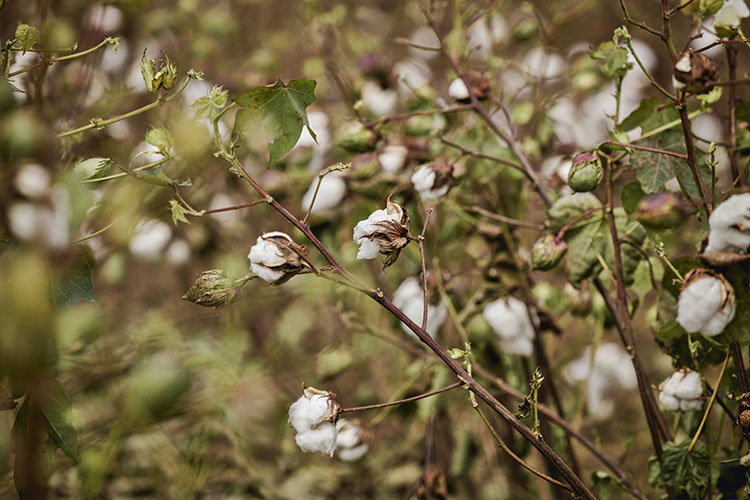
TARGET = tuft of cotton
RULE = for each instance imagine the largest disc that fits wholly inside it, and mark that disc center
(509, 319)
(392, 158)
(681, 391)
(42, 223)
(424, 179)
(412, 74)
(484, 33)
(331, 193)
(610, 372)
(365, 229)
(33, 181)
(409, 297)
(322, 439)
(151, 236)
(730, 225)
(703, 307)
(377, 100)
(730, 14)
(178, 252)
(144, 153)
(350, 441)
(264, 256)
(458, 90)
(543, 64)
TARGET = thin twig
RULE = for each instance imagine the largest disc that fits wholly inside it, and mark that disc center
(649, 149)
(420, 241)
(64, 58)
(732, 63)
(576, 219)
(504, 219)
(710, 402)
(428, 112)
(483, 156)
(234, 207)
(402, 401)
(692, 161)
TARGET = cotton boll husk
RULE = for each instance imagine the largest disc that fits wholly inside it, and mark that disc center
(321, 439)
(332, 191)
(392, 158)
(33, 181)
(306, 413)
(509, 319)
(409, 297)
(732, 213)
(151, 236)
(369, 249)
(698, 307)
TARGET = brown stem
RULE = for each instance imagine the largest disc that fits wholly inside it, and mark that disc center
(406, 116)
(504, 219)
(420, 240)
(483, 156)
(690, 147)
(732, 63)
(739, 366)
(234, 207)
(575, 219)
(652, 150)
(401, 401)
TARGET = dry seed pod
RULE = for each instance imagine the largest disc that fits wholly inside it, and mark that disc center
(695, 72)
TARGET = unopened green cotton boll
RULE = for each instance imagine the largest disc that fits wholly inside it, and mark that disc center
(586, 173)
(547, 252)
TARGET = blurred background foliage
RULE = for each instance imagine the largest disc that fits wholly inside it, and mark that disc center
(170, 400)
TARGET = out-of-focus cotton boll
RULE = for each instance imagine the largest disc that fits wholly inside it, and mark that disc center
(542, 64)
(509, 319)
(730, 225)
(33, 181)
(22, 61)
(484, 33)
(119, 131)
(411, 75)
(409, 297)
(178, 253)
(151, 237)
(319, 122)
(392, 158)
(143, 154)
(457, 90)
(350, 442)
(330, 194)
(377, 100)
(105, 18)
(231, 219)
(42, 223)
(114, 63)
(681, 391)
(612, 372)
(424, 37)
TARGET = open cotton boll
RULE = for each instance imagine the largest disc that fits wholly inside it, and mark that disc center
(681, 391)
(350, 444)
(706, 303)
(385, 231)
(611, 371)
(377, 100)
(321, 439)
(730, 14)
(332, 191)
(43, 223)
(509, 319)
(392, 158)
(312, 408)
(730, 225)
(275, 257)
(409, 297)
(433, 180)
(457, 90)
(543, 64)
(33, 181)
(151, 236)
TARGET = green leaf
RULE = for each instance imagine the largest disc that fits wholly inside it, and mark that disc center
(681, 471)
(614, 59)
(157, 177)
(27, 36)
(209, 106)
(742, 113)
(92, 167)
(160, 139)
(74, 288)
(630, 196)
(645, 111)
(282, 111)
(178, 212)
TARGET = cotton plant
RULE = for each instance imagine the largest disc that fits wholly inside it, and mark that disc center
(409, 297)
(681, 391)
(150, 239)
(509, 319)
(610, 373)
(276, 258)
(314, 416)
(433, 180)
(729, 17)
(706, 303)
(385, 231)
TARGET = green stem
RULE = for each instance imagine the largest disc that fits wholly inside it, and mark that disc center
(51, 60)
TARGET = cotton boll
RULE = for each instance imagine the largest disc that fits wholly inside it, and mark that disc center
(423, 178)
(411, 74)
(263, 257)
(385, 231)
(105, 18)
(379, 101)
(330, 194)
(730, 14)
(706, 303)
(543, 65)
(46, 224)
(178, 252)
(484, 33)
(312, 408)
(457, 90)
(681, 391)
(144, 153)
(392, 158)
(33, 181)
(730, 225)
(509, 319)
(151, 236)
(409, 297)
(321, 439)
(433, 180)
(353, 454)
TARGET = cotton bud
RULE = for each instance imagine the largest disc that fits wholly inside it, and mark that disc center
(547, 252)
(355, 138)
(275, 257)
(706, 303)
(662, 210)
(409, 297)
(681, 391)
(313, 416)
(509, 319)
(213, 288)
(392, 158)
(609, 374)
(729, 17)
(385, 231)
(586, 173)
(433, 180)
(351, 443)
(730, 225)
(695, 72)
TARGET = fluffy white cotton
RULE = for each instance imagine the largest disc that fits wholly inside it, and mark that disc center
(33, 181)
(44, 223)
(322, 439)
(178, 252)
(350, 444)
(457, 90)
(509, 319)
(484, 33)
(369, 249)
(542, 64)
(699, 308)
(611, 371)
(263, 256)
(105, 18)
(392, 158)
(409, 297)
(730, 14)
(730, 225)
(423, 180)
(331, 193)
(681, 391)
(144, 153)
(379, 101)
(412, 74)
(151, 236)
